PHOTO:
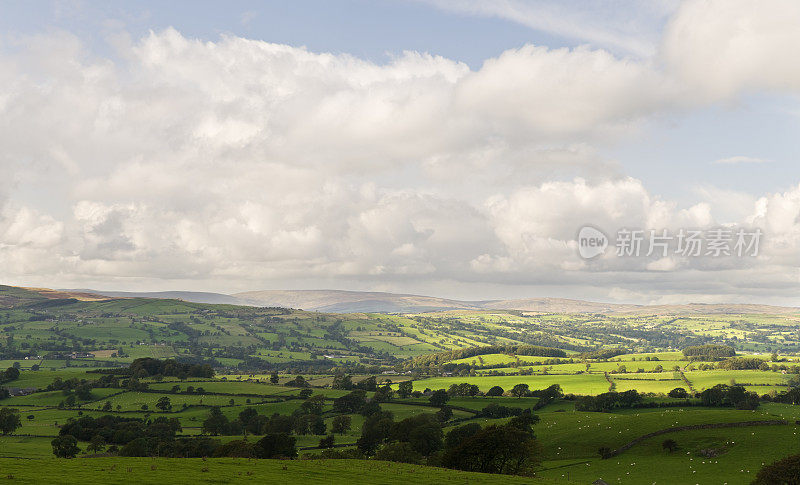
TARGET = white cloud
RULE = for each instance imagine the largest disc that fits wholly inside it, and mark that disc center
(724, 47)
(740, 159)
(238, 164)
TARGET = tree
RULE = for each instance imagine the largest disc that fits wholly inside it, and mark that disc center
(350, 403)
(520, 390)
(670, 445)
(298, 381)
(494, 449)
(785, 471)
(327, 442)
(277, 445)
(426, 439)
(9, 420)
(341, 424)
(439, 398)
(384, 393)
(318, 426)
(96, 445)
(444, 414)
(273, 378)
(236, 449)
(247, 415)
(458, 435)
(679, 393)
(375, 430)
(216, 423)
(137, 447)
(401, 452)
(84, 392)
(107, 406)
(495, 391)
(314, 404)
(164, 403)
(65, 446)
(405, 388)
(342, 381)
(10, 374)
(305, 393)
(368, 384)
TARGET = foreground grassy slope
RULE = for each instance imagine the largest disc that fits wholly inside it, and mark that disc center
(746, 450)
(85, 471)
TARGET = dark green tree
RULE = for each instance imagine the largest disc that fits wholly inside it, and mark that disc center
(216, 423)
(65, 446)
(9, 420)
(670, 445)
(327, 442)
(439, 398)
(164, 403)
(96, 445)
(495, 391)
(277, 445)
(341, 424)
(783, 472)
(405, 388)
(520, 390)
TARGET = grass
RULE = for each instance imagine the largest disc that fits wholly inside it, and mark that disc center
(577, 435)
(225, 470)
(575, 384)
(706, 379)
(649, 463)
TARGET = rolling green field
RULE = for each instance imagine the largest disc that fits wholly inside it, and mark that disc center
(569, 439)
(257, 352)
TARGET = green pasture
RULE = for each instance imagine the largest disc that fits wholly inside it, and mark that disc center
(570, 384)
(81, 471)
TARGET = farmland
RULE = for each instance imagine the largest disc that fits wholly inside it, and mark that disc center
(72, 361)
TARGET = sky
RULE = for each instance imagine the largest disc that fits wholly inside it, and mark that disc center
(451, 148)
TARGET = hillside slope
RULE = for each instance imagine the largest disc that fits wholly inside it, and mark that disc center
(352, 301)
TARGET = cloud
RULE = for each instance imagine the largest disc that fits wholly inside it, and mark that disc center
(725, 47)
(239, 164)
(740, 159)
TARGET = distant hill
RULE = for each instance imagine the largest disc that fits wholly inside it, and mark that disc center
(339, 301)
(563, 305)
(191, 296)
(16, 296)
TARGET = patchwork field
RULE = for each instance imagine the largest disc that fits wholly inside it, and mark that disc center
(293, 366)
